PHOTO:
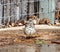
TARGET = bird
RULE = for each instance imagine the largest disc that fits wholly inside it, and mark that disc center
(35, 21)
(29, 28)
(34, 18)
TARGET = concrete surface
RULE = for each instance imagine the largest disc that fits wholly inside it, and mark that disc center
(36, 26)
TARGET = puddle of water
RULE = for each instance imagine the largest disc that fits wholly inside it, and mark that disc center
(48, 48)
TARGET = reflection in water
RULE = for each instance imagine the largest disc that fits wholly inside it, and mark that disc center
(48, 48)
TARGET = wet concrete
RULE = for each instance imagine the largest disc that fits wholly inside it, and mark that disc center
(31, 48)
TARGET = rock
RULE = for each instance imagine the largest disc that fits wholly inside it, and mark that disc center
(44, 21)
(20, 24)
(16, 40)
(13, 24)
(3, 26)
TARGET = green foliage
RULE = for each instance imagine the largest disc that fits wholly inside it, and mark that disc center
(39, 42)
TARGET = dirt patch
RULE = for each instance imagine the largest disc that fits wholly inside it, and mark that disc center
(18, 36)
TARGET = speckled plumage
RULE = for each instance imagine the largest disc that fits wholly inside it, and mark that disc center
(29, 28)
